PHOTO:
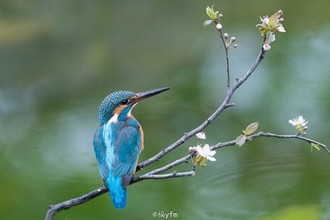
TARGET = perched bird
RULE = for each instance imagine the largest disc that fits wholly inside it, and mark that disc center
(118, 141)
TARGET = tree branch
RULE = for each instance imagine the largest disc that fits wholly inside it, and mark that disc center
(53, 209)
(154, 174)
(224, 105)
(158, 173)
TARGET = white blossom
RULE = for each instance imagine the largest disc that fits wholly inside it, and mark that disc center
(300, 124)
(201, 135)
(205, 152)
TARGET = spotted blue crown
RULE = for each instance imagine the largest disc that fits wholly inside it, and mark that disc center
(110, 103)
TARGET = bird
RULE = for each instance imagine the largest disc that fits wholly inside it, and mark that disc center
(119, 141)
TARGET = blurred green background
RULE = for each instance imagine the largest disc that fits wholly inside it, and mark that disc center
(59, 59)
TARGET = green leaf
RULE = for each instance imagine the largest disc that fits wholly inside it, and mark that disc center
(207, 22)
(211, 13)
(251, 128)
(315, 146)
(240, 140)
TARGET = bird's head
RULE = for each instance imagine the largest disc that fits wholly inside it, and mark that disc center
(122, 102)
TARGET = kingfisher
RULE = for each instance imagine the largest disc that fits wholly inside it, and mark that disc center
(119, 140)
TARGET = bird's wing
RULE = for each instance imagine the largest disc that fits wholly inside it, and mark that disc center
(127, 149)
(100, 152)
(124, 148)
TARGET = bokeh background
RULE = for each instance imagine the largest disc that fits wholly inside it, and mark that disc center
(59, 59)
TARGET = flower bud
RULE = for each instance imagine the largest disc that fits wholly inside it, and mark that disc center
(218, 26)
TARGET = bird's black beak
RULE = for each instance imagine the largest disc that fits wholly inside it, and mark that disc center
(146, 94)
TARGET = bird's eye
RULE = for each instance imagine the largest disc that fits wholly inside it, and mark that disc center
(124, 102)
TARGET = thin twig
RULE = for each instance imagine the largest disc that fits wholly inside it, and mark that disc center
(227, 57)
(163, 176)
(272, 135)
(268, 134)
(170, 165)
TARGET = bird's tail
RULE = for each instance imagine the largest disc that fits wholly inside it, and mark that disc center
(117, 191)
